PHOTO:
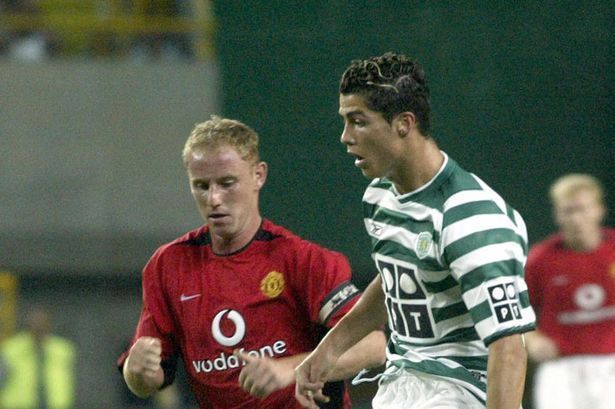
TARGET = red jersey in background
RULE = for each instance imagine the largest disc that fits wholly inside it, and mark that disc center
(574, 294)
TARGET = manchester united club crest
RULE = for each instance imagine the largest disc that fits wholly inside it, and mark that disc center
(273, 284)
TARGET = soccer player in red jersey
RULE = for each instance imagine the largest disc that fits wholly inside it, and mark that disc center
(571, 281)
(241, 300)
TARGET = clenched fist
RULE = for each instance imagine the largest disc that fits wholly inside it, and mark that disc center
(142, 370)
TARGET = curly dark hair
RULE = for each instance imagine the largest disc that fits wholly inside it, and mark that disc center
(390, 84)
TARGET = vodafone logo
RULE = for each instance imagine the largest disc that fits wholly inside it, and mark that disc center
(225, 361)
(240, 328)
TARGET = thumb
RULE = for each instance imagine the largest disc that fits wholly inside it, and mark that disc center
(247, 358)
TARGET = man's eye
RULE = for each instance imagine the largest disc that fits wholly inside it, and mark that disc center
(358, 122)
(201, 186)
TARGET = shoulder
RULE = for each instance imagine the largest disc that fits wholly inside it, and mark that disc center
(549, 244)
(609, 234)
(193, 238)
(467, 195)
(17, 342)
(544, 249)
(170, 253)
(290, 242)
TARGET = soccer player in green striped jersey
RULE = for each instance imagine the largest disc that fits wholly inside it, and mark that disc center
(450, 254)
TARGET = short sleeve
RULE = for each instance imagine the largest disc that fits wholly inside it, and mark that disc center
(486, 254)
(324, 278)
(155, 319)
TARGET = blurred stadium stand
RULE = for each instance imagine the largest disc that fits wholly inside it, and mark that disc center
(180, 29)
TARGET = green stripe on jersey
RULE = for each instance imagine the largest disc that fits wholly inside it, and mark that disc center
(470, 209)
(448, 312)
(481, 311)
(474, 241)
(512, 331)
(460, 335)
(442, 285)
(451, 180)
(489, 271)
(524, 299)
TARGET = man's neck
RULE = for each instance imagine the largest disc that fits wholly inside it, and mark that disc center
(585, 244)
(229, 245)
(420, 165)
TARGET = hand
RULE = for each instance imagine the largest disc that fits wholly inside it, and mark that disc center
(144, 359)
(262, 376)
(540, 347)
(310, 377)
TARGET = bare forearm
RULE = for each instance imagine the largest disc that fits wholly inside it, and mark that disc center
(368, 314)
(506, 373)
(140, 385)
(287, 367)
(367, 353)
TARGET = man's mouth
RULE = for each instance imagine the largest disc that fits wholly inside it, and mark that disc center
(358, 160)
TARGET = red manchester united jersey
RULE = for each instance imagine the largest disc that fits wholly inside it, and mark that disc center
(574, 294)
(270, 299)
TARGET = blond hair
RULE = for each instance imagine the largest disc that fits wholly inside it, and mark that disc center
(568, 185)
(217, 132)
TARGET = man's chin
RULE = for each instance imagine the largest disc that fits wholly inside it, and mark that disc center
(219, 227)
(369, 174)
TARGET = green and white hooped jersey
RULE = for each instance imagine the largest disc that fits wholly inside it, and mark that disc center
(451, 256)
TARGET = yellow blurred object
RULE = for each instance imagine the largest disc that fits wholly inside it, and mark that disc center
(8, 300)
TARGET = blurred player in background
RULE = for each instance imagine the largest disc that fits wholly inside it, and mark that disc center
(449, 250)
(571, 279)
(239, 299)
(37, 366)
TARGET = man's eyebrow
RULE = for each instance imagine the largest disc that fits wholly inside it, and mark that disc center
(352, 113)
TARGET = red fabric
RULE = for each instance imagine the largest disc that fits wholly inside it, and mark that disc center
(185, 286)
(574, 294)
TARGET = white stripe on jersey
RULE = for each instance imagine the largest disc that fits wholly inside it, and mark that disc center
(386, 199)
(475, 224)
(484, 255)
(466, 196)
(396, 234)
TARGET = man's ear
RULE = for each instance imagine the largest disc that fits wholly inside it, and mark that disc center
(404, 123)
(260, 174)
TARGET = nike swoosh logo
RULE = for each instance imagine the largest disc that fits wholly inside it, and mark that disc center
(188, 297)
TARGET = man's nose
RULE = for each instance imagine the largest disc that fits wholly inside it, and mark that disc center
(214, 196)
(345, 138)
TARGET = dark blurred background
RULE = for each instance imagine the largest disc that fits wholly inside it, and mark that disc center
(97, 98)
